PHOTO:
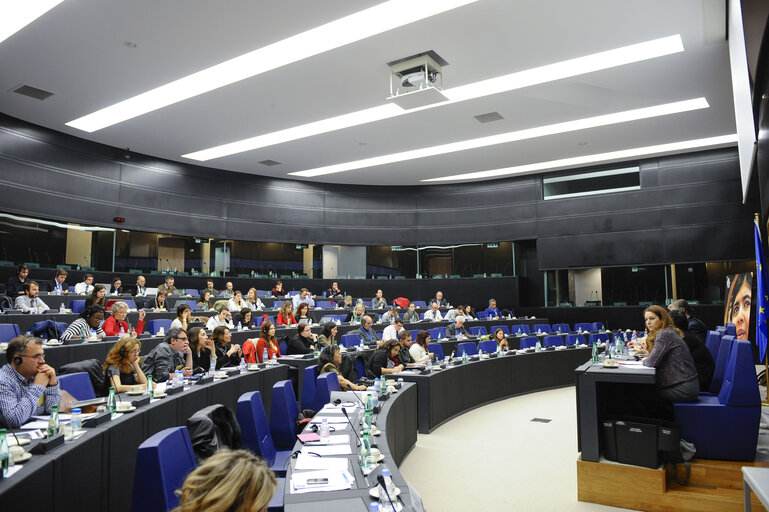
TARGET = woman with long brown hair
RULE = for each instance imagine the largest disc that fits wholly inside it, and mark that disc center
(121, 367)
(267, 341)
(285, 315)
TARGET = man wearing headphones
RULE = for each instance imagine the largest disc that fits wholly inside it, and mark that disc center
(28, 386)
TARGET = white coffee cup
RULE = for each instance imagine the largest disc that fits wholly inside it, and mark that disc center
(375, 453)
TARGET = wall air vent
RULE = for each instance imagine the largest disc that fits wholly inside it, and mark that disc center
(488, 118)
(32, 92)
(269, 163)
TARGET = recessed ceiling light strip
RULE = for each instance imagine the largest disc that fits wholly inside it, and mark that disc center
(355, 27)
(17, 15)
(720, 141)
(529, 133)
(543, 74)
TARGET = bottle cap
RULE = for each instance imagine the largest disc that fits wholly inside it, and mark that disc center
(385, 472)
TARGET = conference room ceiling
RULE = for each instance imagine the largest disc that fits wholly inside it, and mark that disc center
(83, 52)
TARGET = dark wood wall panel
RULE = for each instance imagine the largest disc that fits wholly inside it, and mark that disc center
(688, 209)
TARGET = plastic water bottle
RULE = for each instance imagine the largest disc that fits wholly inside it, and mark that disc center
(6, 459)
(62, 309)
(265, 358)
(149, 385)
(242, 366)
(480, 353)
(324, 430)
(361, 346)
(179, 378)
(373, 506)
(377, 386)
(76, 419)
(111, 401)
(212, 369)
(388, 482)
(464, 357)
(595, 352)
(365, 451)
(122, 332)
(538, 346)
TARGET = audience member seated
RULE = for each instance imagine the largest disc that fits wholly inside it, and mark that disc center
(15, 285)
(703, 359)
(59, 284)
(172, 354)
(253, 301)
(501, 338)
(433, 314)
(98, 296)
(246, 318)
(210, 288)
(228, 292)
(391, 331)
(366, 333)
(183, 316)
(492, 313)
(277, 290)
(86, 287)
(676, 378)
(453, 313)
(418, 349)
(30, 302)
(329, 361)
(303, 313)
(228, 481)
(203, 351)
(28, 386)
(328, 335)
(334, 291)
(695, 325)
(121, 368)
(347, 303)
(303, 342)
(469, 313)
(378, 302)
(457, 329)
(411, 315)
(223, 318)
(389, 317)
(384, 361)
(158, 303)
(89, 322)
(116, 288)
(439, 299)
(285, 315)
(168, 286)
(141, 286)
(117, 321)
(404, 338)
(205, 302)
(267, 340)
(236, 303)
(225, 349)
(357, 314)
(304, 296)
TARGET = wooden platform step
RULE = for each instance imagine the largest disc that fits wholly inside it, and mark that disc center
(638, 488)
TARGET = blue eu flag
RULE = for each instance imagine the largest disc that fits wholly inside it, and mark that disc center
(762, 309)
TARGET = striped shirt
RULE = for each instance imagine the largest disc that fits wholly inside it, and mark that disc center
(79, 329)
(20, 398)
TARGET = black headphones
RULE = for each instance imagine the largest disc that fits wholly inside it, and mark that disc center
(122, 352)
(17, 360)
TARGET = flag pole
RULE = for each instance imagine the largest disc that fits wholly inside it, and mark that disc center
(765, 401)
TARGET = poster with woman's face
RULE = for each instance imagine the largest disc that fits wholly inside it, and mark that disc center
(739, 297)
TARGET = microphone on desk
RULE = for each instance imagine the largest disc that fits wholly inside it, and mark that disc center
(8, 425)
(380, 479)
(344, 411)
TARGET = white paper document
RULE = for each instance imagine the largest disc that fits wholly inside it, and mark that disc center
(331, 419)
(341, 439)
(324, 450)
(304, 462)
(337, 409)
(326, 480)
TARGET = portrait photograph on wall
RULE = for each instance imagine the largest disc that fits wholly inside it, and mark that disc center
(739, 298)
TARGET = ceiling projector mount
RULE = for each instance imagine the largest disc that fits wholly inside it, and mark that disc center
(417, 80)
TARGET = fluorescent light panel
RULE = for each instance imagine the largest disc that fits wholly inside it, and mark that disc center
(17, 15)
(503, 138)
(543, 74)
(722, 140)
(355, 27)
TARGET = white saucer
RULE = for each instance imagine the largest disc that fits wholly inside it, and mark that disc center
(375, 431)
(18, 441)
(52, 343)
(374, 492)
(253, 368)
(24, 457)
(380, 458)
(136, 393)
(162, 395)
(131, 409)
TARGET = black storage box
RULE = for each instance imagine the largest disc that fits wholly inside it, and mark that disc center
(609, 440)
(637, 444)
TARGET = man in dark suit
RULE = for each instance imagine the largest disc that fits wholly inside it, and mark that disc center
(696, 326)
(457, 329)
(59, 285)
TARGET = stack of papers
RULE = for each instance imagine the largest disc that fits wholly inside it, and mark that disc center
(304, 461)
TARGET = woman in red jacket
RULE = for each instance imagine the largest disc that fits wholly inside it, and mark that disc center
(286, 315)
(113, 324)
(254, 354)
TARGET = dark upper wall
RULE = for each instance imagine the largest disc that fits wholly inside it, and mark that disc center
(685, 202)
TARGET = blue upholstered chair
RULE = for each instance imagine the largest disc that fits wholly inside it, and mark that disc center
(77, 306)
(153, 326)
(542, 328)
(731, 330)
(721, 364)
(308, 387)
(478, 331)
(597, 326)
(325, 384)
(585, 326)
(349, 340)
(504, 328)
(256, 435)
(162, 463)
(283, 413)
(713, 342)
(726, 426)
(565, 329)
(575, 339)
(601, 337)
(436, 349)
(8, 332)
(78, 385)
(553, 340)
(519, 329)
(487, 346)
(528, 342)
(468, 347)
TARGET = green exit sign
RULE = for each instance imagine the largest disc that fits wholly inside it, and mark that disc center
(302, 246)
(396, 248)
(492, 246)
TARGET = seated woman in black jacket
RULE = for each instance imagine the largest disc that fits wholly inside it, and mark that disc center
(203, 351)
(303, 342)
(225, 349)
(385, 360)
(330, 360)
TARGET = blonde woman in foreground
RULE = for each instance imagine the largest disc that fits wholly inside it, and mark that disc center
(228, 481)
